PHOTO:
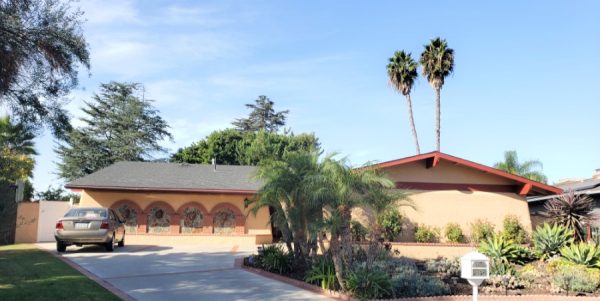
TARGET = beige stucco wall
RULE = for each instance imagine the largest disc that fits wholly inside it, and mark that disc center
(27, 222)
(255, 225)
(444, 172)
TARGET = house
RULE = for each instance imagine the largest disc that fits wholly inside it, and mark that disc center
(589, 187)
(446, 189)
(178, 202)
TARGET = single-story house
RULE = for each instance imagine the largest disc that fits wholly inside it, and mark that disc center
(207, 203)
(589, 187)
(178, 202)
(446, 189)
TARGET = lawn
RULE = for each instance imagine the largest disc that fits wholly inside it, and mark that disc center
(27, 273)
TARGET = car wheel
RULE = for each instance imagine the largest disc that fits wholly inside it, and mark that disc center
(110, 246)
(61, 247)
(122, 242)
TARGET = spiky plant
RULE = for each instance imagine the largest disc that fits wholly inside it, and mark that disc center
(571, 210)
(437, 61)
(499, 248)
(587, 254)
(402, 72)
(549, 239)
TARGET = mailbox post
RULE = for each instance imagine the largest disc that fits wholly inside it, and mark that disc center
(475, 267)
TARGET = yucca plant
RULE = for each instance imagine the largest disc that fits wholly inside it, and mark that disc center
(587, 254)
(322, 271)
(571, 210)
(548, 239)
(500, 249)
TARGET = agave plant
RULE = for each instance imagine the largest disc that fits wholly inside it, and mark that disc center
(499, 249)
(548, 239)
(583, 253)
(571, 210)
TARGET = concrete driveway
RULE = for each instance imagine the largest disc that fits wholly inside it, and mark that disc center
(180, 273)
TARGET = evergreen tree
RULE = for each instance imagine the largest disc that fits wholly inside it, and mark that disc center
(119, 126)
(263, 117)
(41, 49)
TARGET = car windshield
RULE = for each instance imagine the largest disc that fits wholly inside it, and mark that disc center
(89, 213)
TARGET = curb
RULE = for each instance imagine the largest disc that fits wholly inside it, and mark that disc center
(105, 284)
(297, 283)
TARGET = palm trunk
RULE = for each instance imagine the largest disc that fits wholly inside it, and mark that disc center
(412, 123)
(337, 260)
(437, 117)
(346, 235)
(373, 245)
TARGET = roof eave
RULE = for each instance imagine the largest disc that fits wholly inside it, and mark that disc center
(162, 189)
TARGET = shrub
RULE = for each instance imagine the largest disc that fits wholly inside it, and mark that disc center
(453, 233)
(359, 232)
(274, 259)
(582, 253)
(445, 266)
(577, 279)
(408, 282)
(548, 239)
(391, 224)
(500, 249)
(505, 282)
(513, 230)
(322, 271)
(571, 210)
(365, 284)
(481, 229)
(426, 234)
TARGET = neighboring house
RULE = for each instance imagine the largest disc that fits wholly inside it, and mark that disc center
(447, 189)
(589, 187)
(178, 202)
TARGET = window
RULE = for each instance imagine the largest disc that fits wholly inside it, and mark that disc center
(129, 217)
(159, 221)
(87, 213)
(224, 221)
(191, 220)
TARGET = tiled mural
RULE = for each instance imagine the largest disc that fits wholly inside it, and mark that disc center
(159, 221)
(224, 221)
(191, 220)
(129, 216)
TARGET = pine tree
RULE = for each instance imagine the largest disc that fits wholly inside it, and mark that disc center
(263, 117)
(119, 126)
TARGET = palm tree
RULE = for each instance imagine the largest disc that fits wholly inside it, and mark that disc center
(402, 72)
(16, 137)
(437, 61)
(527, 169)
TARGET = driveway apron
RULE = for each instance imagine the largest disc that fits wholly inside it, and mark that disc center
(180, 273)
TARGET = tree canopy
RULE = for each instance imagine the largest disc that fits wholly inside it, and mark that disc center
(16, 151)
(119, 125)
(263, 117)
(232, 147)
(41, 49)
(531, 169)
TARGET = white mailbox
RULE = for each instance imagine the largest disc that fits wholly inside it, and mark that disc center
(475, 267)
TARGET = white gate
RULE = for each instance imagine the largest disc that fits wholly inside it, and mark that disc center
(50, 212)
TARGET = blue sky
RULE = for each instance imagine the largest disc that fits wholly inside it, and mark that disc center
(526, 74)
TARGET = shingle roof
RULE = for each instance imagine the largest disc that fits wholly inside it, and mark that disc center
(582, 185)
(171, 177)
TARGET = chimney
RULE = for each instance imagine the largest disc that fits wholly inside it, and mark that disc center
(214, 164)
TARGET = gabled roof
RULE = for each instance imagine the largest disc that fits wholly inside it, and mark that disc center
(432, 159)
(153, 176)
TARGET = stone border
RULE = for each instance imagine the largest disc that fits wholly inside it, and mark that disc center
(495, 297)
(297, 283)
(105, 284)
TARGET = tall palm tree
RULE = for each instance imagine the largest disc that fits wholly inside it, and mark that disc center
(529, 169)
(402, 72)
(437, 62)
(16, 137)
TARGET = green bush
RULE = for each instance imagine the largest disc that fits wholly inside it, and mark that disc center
(549, 239)
(500, 249)
(359, 232)
(322, 272)
(481, 229)
(577, 279)
(274, 259)
(408, 282)
(505, 281)
(582, 253)
(426, 234)
(391, 225)
(513, 230)
(445, 266)
(454, 233)
(365, 284)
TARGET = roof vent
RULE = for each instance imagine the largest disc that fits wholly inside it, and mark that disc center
(214, 164)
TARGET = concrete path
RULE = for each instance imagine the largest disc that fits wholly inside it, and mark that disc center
(180, 273)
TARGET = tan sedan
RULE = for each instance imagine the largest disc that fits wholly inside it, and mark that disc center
(82, 226)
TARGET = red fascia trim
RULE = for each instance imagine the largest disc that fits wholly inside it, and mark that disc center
(457, 186)
(471, 164)
(155, 189)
